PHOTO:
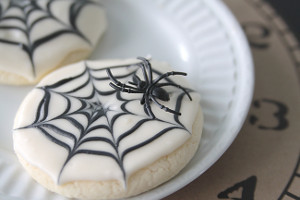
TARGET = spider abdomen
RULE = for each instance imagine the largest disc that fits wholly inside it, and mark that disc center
(161, 94)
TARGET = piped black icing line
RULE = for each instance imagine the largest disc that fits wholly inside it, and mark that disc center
(151, 89)
(28, 8)
(93, 109)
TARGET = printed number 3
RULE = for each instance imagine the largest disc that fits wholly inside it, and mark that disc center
(280, 115)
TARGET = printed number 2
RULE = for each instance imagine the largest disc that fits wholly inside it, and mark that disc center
(257, 34)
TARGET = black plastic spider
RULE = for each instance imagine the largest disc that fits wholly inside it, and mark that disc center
(151, 89)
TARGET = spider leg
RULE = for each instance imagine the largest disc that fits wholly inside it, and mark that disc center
(123, 89)
(173, 73)
(164, 107)
(142, 65)
(136, 80)
(117, 83)
(175, 85)
(148, 108)
(132, 83)
(143, 99)
(148, 65)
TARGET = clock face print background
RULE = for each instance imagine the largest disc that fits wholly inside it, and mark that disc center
(263, 162)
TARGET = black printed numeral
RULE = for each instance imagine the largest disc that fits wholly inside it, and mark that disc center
(280, 115)
(247, 186)
(257, 34)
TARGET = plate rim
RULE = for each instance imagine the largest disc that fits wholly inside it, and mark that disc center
(241, 43)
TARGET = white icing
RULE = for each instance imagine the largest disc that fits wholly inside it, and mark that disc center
(32, 145)
(47, 155)
(91, 22)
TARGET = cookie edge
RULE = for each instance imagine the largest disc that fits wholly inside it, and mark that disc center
(141, 181)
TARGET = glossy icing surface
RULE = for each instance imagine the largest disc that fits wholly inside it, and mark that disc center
(41, 33)
(75, 126)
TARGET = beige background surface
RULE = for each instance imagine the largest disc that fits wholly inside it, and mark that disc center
(263, 162)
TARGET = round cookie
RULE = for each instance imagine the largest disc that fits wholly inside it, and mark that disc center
(37, 37)
(108, 129)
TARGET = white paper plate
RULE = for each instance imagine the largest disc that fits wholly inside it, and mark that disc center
(200, 37)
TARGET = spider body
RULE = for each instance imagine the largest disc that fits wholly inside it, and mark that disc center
(161, 94)
(157, 91)
(151, 89)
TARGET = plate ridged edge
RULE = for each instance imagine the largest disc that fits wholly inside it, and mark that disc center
(242, 90)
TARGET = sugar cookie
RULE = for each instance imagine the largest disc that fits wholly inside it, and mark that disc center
(108, 129)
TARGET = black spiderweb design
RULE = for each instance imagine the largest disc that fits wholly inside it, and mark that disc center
(100, 119)
(23, 16)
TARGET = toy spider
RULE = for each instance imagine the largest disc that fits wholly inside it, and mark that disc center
(151, 89)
